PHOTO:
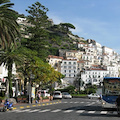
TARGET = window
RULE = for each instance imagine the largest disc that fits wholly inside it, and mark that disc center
(65, 71)
(74, 63)
(69, 75)
(65, 66)
(69, 71)
(64, 62)
(70, 63)
(69, 66)
(74, 67)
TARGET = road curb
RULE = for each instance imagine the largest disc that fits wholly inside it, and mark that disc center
(35, 105)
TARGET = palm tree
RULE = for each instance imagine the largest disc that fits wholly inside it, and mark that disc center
(8, 25)
(8, 58)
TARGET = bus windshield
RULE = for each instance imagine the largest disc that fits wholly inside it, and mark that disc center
(111, 86)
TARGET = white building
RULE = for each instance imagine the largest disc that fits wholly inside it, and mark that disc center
(54, 61)
(69, 69)
(4, 74)
(94, 76)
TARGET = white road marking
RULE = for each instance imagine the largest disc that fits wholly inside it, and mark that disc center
(26, 110)
(34, 110)
(65, 102)
(91, 112)
(57, 110)
(103, 112)
(76, 102)
(82, 102)
(80, 111)
(67, 111)
(45, 110)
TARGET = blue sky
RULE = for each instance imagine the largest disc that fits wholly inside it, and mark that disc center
(93, 19)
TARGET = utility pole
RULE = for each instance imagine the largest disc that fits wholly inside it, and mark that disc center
(79, 82)
(29, 92)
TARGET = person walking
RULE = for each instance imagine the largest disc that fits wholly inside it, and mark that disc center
(38, 96)
(118, 104)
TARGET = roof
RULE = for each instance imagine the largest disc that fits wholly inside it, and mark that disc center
(57, 57)
(81, 61)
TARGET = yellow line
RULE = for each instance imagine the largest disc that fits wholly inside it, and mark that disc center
(50, 103)
(33, 105)
(27, 106)
(21, 107)
(39, 104)
(14, 108)
(43, 104)
(47, 103)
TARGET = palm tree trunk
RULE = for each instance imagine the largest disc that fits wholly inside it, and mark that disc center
(10, 79)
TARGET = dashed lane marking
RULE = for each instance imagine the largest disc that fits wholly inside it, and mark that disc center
(26, 110)
(57, 110)
(67, 111)
(91, 112)
(34, 110)
(103, 112)
(80, 111)
(46, 110)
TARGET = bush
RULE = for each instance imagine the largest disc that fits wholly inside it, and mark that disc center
(70, 89)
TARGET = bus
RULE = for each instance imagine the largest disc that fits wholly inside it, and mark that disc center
(110, 91)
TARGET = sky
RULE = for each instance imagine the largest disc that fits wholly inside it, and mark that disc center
(94, 19)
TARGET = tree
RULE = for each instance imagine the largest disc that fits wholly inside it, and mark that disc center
(8, 58)
(41, 71)
(39, 21)
(8, 25)
(66, 26)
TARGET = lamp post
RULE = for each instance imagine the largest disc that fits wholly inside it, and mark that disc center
(29, 92)
(30, 88)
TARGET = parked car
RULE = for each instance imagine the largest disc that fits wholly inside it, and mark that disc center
(57, 95)
(66, 95)
(93, 95)
(44, 93)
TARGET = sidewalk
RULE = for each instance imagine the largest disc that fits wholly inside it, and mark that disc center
(27, 105)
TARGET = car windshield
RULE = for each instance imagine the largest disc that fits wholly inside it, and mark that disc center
(56, 93)
(65, 93)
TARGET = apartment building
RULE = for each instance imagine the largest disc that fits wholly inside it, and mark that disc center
(69, 69)
(54, 61)
(94, 76)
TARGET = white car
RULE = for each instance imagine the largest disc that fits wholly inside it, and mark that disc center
(93, 95)
(66, 95)
(44, 93)
(57, 95)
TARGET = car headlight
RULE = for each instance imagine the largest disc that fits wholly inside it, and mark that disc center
(103, 103)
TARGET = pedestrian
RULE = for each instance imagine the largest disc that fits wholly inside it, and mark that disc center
(118, 104)
(38, 96)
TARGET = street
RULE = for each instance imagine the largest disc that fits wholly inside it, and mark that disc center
(65, 109)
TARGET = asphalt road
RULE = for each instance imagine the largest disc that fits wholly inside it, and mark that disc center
(66, 109)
